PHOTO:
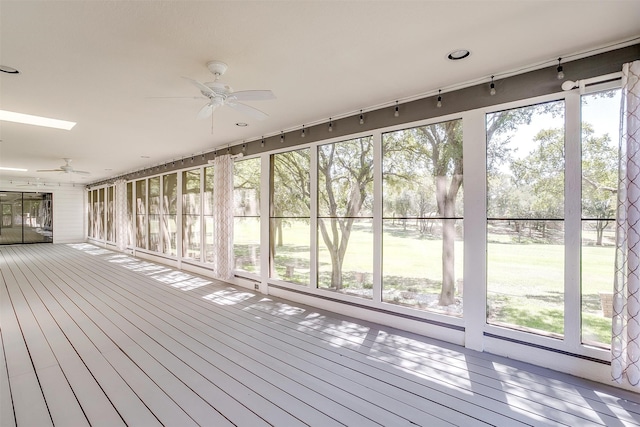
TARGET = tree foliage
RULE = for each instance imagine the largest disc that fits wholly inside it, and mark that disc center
(345, 189)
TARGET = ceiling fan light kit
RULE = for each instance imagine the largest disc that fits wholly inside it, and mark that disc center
(221, 94)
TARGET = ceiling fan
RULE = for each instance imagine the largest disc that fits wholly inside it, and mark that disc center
(66, 168)
(220, 94)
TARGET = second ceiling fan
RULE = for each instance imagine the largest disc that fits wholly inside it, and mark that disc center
(220, 94)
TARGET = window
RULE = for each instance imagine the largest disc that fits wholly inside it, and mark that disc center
(208, 214)
(154, 214)
(600, 137)
(169, 213)
(96, 215)
(422, 217)
(525, 218)
(345, 217)
(141, 213)
(290, 235)
(191, 210)
(100, 214)
(89, 214)
(246, 198)
(111, 211)
(129, 225)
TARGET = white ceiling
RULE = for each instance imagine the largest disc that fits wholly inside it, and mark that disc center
(104, 64)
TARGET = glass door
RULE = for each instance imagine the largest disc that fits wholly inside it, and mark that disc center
(26, 218)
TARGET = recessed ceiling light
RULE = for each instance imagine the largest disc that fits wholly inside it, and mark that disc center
(12, 169)
(8, 70)
(242, 124)
(458, 54)
(28, 119)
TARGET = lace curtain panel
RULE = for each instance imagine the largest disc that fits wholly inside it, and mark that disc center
(122, 224)
(223, 217)
(625, 344)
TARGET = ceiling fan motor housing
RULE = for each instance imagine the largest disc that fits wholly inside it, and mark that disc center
(217, 68)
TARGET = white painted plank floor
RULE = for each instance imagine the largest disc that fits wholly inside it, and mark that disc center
(95, 337)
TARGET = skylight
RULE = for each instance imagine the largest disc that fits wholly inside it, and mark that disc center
(12, 169)
(28, 119)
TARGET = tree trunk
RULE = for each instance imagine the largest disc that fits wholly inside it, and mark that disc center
(336, 268)
(448, 262)
(279, 231)
(446, 198)
(600, 226)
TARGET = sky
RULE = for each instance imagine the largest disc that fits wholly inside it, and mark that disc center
(603, 113)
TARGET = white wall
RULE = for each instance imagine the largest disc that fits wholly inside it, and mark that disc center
(69, 219)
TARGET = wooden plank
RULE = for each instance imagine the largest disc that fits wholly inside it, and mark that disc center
(581, 400)
(128, 405)
(95, 405)
(268, 411)
(162, 405)
(293, 359)
(61, 401)
(124, 343)
(583, 412)
(7, 417)
(265, 366)
(193, 339)
(507, 370)
(28, 401)
(387, 401)
(295, 367)
(494, 415)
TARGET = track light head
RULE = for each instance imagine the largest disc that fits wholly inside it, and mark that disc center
(560, 70)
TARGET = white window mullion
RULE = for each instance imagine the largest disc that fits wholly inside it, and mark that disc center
(377, 217)
(134, 217)
(203, 227)
(146, 214)
(313, 217)
(572, 226)
(475, 228)
(161, 217)
(179, 214)
(265, 222)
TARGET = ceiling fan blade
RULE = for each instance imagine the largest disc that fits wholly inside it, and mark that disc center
(81, 172)
(176, 97)
(249, 111)
(49, 170)
(202, 87)
(252, 95)
(205, 111)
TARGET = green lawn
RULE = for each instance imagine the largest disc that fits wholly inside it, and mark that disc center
(525, 281)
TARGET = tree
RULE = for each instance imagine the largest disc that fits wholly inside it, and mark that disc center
(289, 188)
(538, 179)
(442, 145)
(345, 175)
(599, 178)
(425, 163)
(289, 196)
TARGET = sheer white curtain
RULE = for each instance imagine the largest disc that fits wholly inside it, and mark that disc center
(122, 223)
(625, 344)
(223, 216)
